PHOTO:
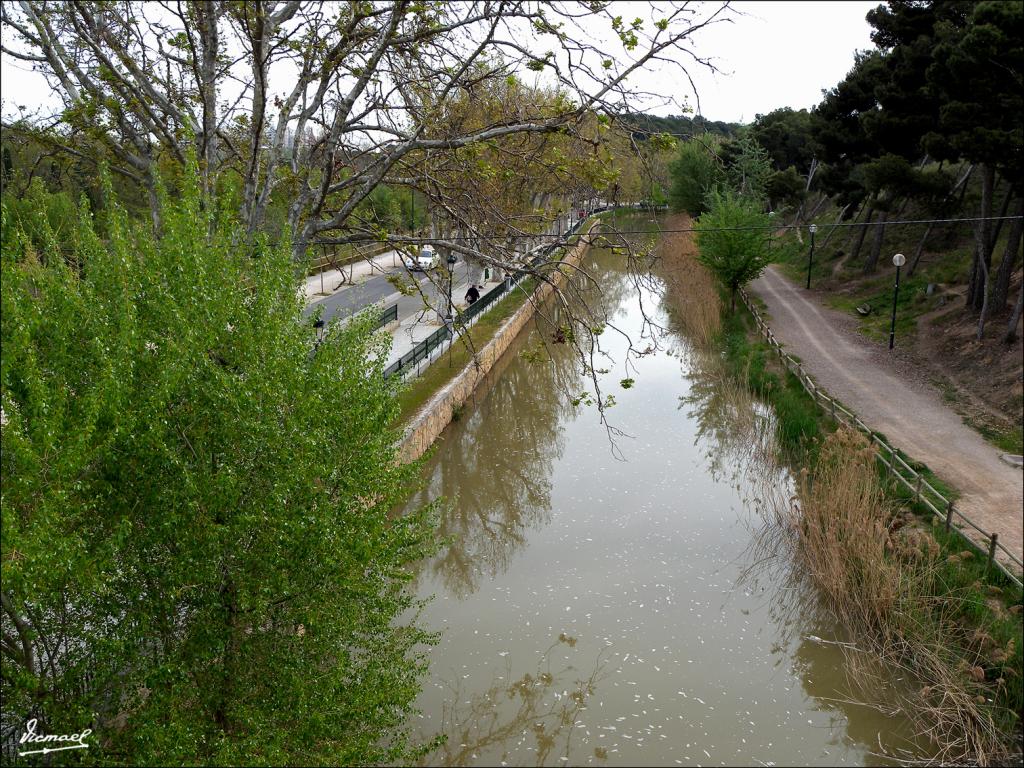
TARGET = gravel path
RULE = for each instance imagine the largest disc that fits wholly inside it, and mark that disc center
(893, 397)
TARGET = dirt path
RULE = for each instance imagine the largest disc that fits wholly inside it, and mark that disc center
(894, 398)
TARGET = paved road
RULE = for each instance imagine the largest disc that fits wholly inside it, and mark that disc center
(891, 399)
(351, 299)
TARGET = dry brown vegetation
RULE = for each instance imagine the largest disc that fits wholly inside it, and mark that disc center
(878, 578)
(695, 301)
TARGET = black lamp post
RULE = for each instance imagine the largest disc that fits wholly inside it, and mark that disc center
(451, 279)
(899, 260)
(810, 259)
(320, 326)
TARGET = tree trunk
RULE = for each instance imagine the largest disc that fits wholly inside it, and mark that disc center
(999, 224)
(919, 251)
(983, 316)
(1011, 327)
(983, 236)
(807, 190)
(835, 226)
(206, 17)
(864, 206)
(862, 231)
(1002, 284)
(251, 180)
(876, 246)
(962, 183)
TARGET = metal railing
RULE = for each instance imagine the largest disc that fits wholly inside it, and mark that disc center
(324, 262)
(411, 361)
(389, 315)
(898, 470)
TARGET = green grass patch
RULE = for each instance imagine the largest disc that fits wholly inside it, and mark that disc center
(420, 389)
(1008, 439)
(985, 612)
(799, 420)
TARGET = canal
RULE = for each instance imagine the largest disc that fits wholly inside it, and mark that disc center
(610, 597)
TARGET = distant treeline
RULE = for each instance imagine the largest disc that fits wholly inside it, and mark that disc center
(679, 126)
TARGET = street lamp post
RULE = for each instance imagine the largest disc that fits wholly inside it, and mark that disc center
(810, 259)
(899, 260)
(451, 279)
(320, 326)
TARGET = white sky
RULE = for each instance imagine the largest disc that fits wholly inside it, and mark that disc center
(778, 54)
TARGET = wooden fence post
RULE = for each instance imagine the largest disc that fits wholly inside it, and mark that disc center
(949, 515)
(917, 490)
(991, 551)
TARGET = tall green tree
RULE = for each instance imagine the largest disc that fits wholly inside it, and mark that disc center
(199, 559)
(747, 166)
(734, 240)
(695, 172)
(977, 73)
(786, 136)
(838, 130)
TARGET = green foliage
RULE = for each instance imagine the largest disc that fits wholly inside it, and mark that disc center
(695, 172)
(747, 166)
(47, 219)
(748, 357)
(976, 70)
(734, 240)
(786, 136)
(682, 127)
(196, 506)
(784, 188)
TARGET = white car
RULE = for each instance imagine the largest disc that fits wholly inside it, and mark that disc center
(424, 260)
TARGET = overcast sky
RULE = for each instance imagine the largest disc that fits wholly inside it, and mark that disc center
(778, 54)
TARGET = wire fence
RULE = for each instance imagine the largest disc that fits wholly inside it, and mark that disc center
(897, 468)
(343, 256)
(423, 354)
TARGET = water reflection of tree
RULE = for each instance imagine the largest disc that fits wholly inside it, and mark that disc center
(736, 430)
(495, 469)
(543, 703)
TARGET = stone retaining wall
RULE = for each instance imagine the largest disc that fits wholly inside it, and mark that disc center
(438, 412)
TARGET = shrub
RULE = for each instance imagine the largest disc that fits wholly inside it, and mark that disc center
(197, 538)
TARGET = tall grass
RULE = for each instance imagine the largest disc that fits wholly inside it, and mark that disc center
(695, 299)
(879, 576)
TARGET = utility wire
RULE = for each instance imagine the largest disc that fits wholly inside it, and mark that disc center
(771, 228)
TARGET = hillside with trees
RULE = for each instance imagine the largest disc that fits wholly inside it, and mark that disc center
(927, 126)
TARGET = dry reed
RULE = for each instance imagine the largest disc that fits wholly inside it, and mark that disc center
(875, 580)
(691, 289)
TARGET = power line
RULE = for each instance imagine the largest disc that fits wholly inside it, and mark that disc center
(774, 228)
(770, 228)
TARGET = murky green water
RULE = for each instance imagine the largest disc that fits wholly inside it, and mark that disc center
(615, 606)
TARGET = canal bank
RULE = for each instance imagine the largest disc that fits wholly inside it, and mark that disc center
(437, 413)
(619, 604)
